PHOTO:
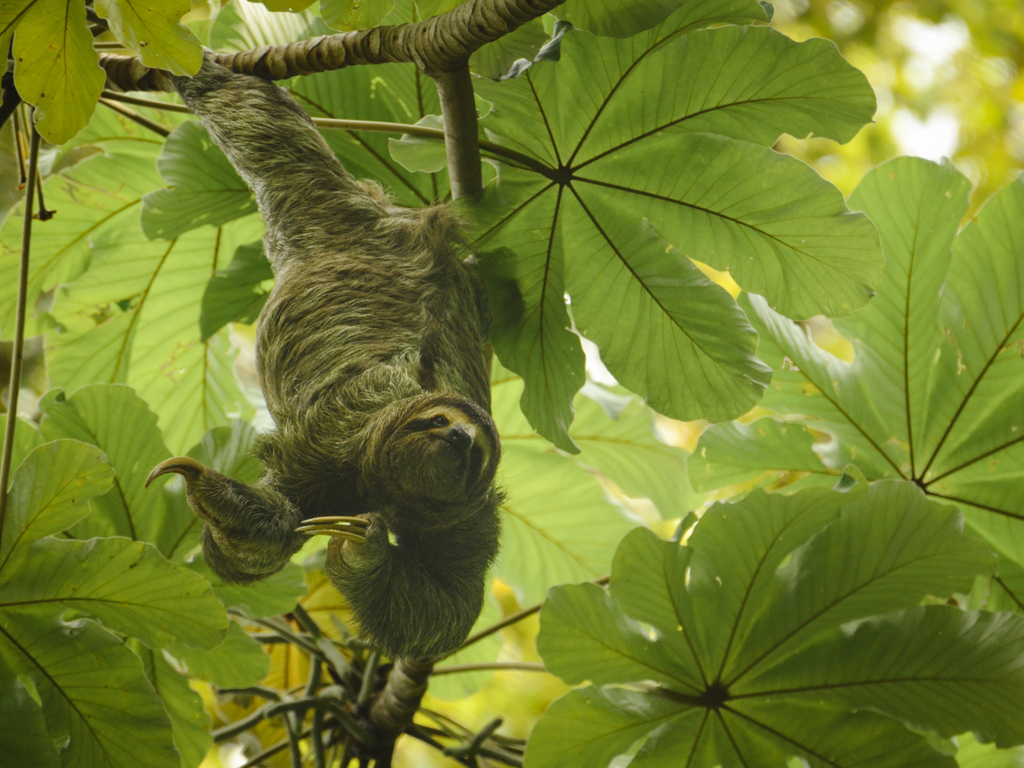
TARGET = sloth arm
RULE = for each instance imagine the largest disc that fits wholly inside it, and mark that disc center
(272, 143)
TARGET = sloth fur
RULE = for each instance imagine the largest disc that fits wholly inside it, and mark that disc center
(373, 357)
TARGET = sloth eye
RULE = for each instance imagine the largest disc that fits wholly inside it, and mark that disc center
(439, 421)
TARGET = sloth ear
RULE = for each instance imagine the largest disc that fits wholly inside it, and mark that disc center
(249, 530)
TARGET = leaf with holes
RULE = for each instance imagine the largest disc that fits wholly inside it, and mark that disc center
(737, 649)
(935, 394)
(605, 193)
(55, 67)
(89, 203)
(153, 29)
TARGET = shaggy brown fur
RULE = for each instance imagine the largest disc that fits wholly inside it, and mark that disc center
(372, 353)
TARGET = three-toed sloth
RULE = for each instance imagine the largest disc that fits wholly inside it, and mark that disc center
(373, 356)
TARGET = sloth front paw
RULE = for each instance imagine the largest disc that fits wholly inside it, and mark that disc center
(249, 529)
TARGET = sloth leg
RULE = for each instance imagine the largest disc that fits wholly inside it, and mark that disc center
(351, 528)
(248, 531)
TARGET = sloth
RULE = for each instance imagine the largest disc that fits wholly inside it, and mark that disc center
(373, 354)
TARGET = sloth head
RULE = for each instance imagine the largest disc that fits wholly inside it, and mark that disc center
(436, 453)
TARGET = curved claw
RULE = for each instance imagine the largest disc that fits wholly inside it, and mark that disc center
(182, 465)
(351, 528)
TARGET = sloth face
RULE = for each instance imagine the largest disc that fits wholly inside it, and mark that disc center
(443, 455)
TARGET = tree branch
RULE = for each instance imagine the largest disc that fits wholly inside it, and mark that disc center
(18, 352)
(461, 137)
(393, 709)
(437, 46)
(515, 666)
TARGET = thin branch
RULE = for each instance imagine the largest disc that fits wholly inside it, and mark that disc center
(134, 116)
(18, 353)
(369, 676)
(316, 738)
(438, 45)
(124, 97)
(293, 725)
(518, 616)
(418, 732)
(19, 147)
(298, 640)
(270, 752)
(520, 666)
(472, 749)
(254, 690)
(367, 126)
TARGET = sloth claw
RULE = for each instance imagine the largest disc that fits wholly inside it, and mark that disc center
(351, 528)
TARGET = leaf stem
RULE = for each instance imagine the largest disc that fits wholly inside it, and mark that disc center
(134, 116)
(18, 352)
(521, 666)
(518, 616)
(367, 126)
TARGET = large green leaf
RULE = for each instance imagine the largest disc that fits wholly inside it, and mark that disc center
(190, 725)
(717, 631)
(532, 336)
(616, 436)
(605, 178)
(244, 26)
(624, 18)
(134, 318)
(50, 492)
(11, 14)
(23, 736)
(92, 197)
(734, 453)
(205, 189)
(154, 30)
(951, 671)
(935, 393)
(237, 662)
(56, 68)
(80, 670)
(97, 414)
(237, 293)
(127, 585)
(557, 524)
(354, 14)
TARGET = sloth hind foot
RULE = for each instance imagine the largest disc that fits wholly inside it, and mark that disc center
(351, 528)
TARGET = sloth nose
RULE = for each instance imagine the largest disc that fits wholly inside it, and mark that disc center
(458, 437)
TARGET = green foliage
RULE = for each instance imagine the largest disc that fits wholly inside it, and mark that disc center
(625, 156)
(609, 179)
(746, 634)
(935, 391)
(206, 189)
(70, 668)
